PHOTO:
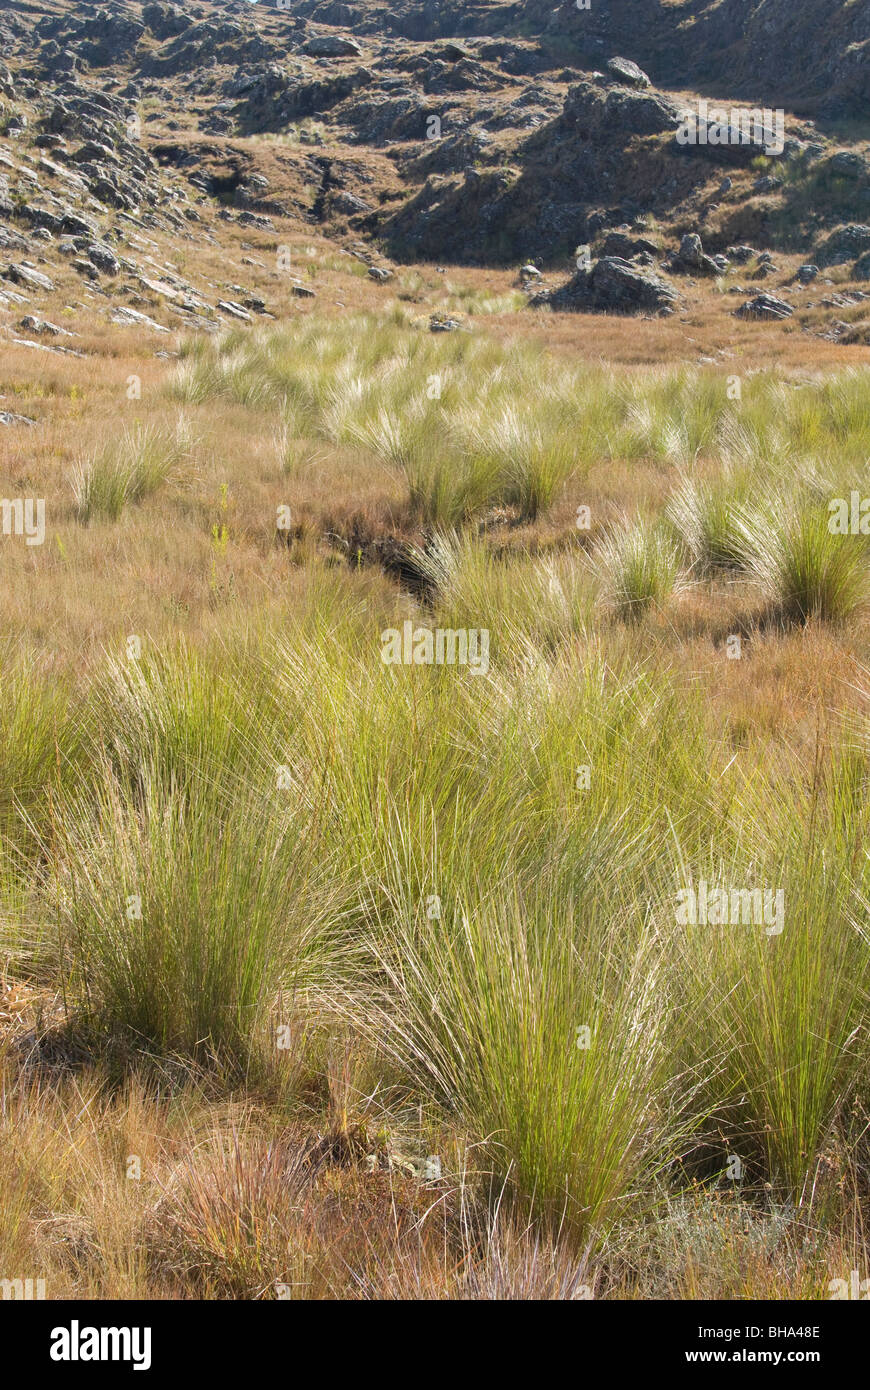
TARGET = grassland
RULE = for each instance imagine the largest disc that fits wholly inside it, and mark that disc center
(327, 977)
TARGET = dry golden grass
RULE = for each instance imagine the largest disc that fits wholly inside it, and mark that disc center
(145, 1192)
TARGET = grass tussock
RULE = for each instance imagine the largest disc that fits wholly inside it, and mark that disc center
(801, 566)
(145, 458)
(471, 427)
(182, 920)
(638, 568)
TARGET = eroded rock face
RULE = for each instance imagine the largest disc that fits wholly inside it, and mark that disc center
(107, 38)
(165, 21)
(798, 54)
(528, 157)
(208, 43)
(273, 96)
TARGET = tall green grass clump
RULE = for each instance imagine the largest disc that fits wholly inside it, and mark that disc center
(545, 1027)
(144, 459)
(704, 516)
(180, 714)
(43, 754)
(182, 918)
(527, 462)
(781, 1004)
(638, 568)
(801, 566)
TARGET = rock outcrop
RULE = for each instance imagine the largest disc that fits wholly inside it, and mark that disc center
(613, 286)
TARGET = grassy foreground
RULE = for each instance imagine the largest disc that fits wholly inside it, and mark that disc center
(330, 976)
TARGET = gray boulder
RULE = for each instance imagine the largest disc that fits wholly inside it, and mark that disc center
(23, 274)
(103, 257)
(848, 164)
(622, 244)
(692, 256)
(40, 217)
(35, 325)
(592, 110)
(74, 225)
(229, 306)
(844, 244)
(93, 150)
(11, 240)
(333, 46)
(454, 52)
(624, 70)
(614, 286)
(764, 306)
(348, 203)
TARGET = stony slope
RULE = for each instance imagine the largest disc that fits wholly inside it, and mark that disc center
(479, 134)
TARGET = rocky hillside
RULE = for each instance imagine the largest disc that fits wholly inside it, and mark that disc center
(468, 133)
(810, 55)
